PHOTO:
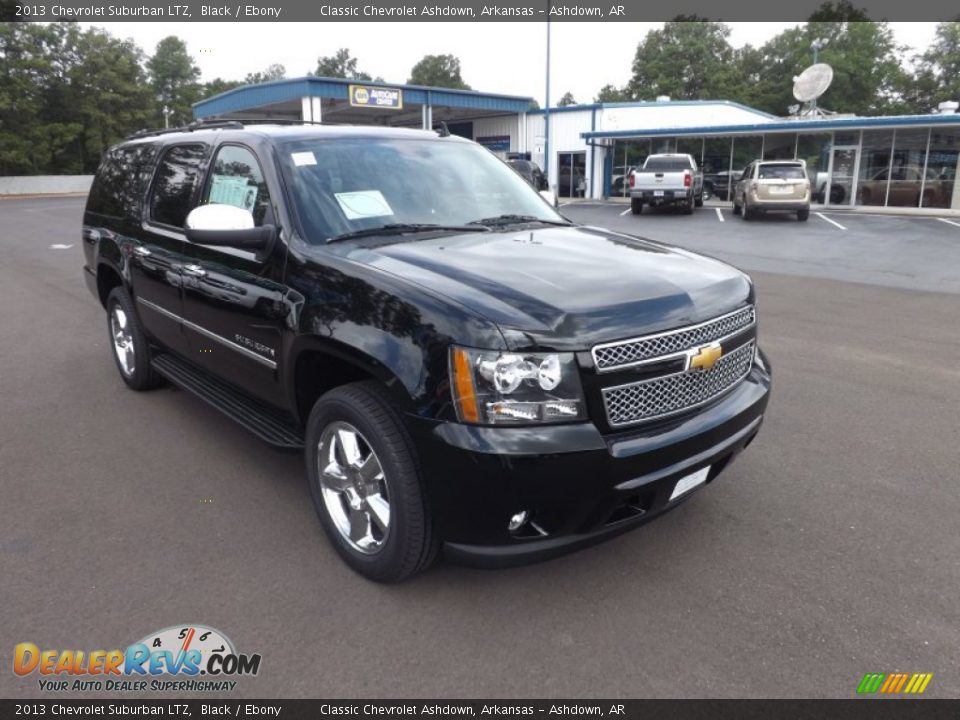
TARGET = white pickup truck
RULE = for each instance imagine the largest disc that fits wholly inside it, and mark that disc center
(667, 179)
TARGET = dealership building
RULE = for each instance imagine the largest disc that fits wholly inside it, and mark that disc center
(906, 161)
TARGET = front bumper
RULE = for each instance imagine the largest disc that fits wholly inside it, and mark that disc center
(580, 487)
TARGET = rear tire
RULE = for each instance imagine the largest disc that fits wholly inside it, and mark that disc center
(747, 213)
(699, 201)
(802, 215)
(636, 206)
(131, 351)
(350, 502)
(688, 208)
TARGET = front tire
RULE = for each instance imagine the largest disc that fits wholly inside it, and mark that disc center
(131, 351)
(636, 206)
(366, 485)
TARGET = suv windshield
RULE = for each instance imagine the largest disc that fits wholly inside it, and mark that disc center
(785, 172)
(345, 185)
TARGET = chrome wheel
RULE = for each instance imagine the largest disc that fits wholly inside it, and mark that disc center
(354, 487)
(122, 340)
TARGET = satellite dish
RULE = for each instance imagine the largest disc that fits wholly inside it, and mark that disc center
(812, 82)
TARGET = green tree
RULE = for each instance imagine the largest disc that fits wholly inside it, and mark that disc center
(566, 100)
(276, 71)
(27, 80)
(867, 73)
(438, 71)
(687, 59)
(610, 93)
(938, 71)
(174, 77)
(217, 86)
(339, 65)
(108, 95)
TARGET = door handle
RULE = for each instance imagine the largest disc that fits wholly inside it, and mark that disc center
(141, 251)
(194, 271)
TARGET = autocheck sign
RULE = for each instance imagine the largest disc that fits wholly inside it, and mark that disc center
(178, 658)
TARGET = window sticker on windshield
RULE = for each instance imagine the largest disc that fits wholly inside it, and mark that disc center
(363, 204)
(233, 190)
(303, 158)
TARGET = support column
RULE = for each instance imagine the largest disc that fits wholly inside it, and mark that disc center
(316, 115)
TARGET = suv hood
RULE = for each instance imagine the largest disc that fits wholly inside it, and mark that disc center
(567, 288)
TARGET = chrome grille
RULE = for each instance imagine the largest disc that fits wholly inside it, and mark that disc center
(669, 394)
(611, 356)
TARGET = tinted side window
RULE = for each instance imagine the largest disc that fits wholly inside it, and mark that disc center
(236, 180)
(119, 180)
(175, 184)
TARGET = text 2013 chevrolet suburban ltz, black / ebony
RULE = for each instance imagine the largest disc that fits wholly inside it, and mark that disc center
(465, 370)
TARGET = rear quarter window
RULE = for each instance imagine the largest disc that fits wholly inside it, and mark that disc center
(118, 185)
(176, 182)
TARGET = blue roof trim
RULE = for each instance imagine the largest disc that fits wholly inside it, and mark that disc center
(811, 125)
(248, 97)
(648, 103)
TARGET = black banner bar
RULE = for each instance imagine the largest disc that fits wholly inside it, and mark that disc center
(868, 709)
(457, 11)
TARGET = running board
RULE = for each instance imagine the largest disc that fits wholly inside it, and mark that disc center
(263, 422)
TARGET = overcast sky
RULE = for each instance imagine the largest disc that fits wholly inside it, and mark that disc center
(495, 57)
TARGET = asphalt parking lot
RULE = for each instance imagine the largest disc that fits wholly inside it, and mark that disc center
(828, 550)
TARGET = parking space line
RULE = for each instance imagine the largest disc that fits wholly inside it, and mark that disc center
(832, 222)
(624, 212)
(949, 222)
(719, 215)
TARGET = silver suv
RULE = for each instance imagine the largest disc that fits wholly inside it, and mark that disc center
(767, 185)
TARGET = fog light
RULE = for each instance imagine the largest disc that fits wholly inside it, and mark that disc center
(517, 521)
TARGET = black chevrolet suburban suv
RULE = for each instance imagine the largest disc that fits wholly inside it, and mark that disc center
(465, 370)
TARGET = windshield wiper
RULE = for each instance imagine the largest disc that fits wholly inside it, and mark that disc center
(513, 219)
(404, 229)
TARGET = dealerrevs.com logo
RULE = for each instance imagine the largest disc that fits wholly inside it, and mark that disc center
(181, 658)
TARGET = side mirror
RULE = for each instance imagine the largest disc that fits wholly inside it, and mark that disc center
(228, 226)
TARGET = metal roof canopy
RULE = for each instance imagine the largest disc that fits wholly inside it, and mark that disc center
(282, 99)
(824, 125)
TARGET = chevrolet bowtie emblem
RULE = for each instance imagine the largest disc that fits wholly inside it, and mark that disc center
(705, 357)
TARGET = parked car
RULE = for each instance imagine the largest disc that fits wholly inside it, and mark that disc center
(531, 172)
(772, 186)
(905, 185)
(666, 179)
(465, 371)
(720, 185)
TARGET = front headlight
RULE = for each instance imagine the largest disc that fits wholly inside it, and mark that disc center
(507, 388)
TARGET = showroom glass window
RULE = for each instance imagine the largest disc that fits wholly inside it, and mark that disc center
(779, 146)
(692, 146)
(236, 180)
(907, 169)
(874, 167)
(815, 149)
(746, 149)
(943, 164)
(175, 184)
(716, 168)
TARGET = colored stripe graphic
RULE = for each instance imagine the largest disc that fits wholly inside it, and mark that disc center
(870, 683)
(894, 683)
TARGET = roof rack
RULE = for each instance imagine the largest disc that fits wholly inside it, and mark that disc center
(196, 125)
